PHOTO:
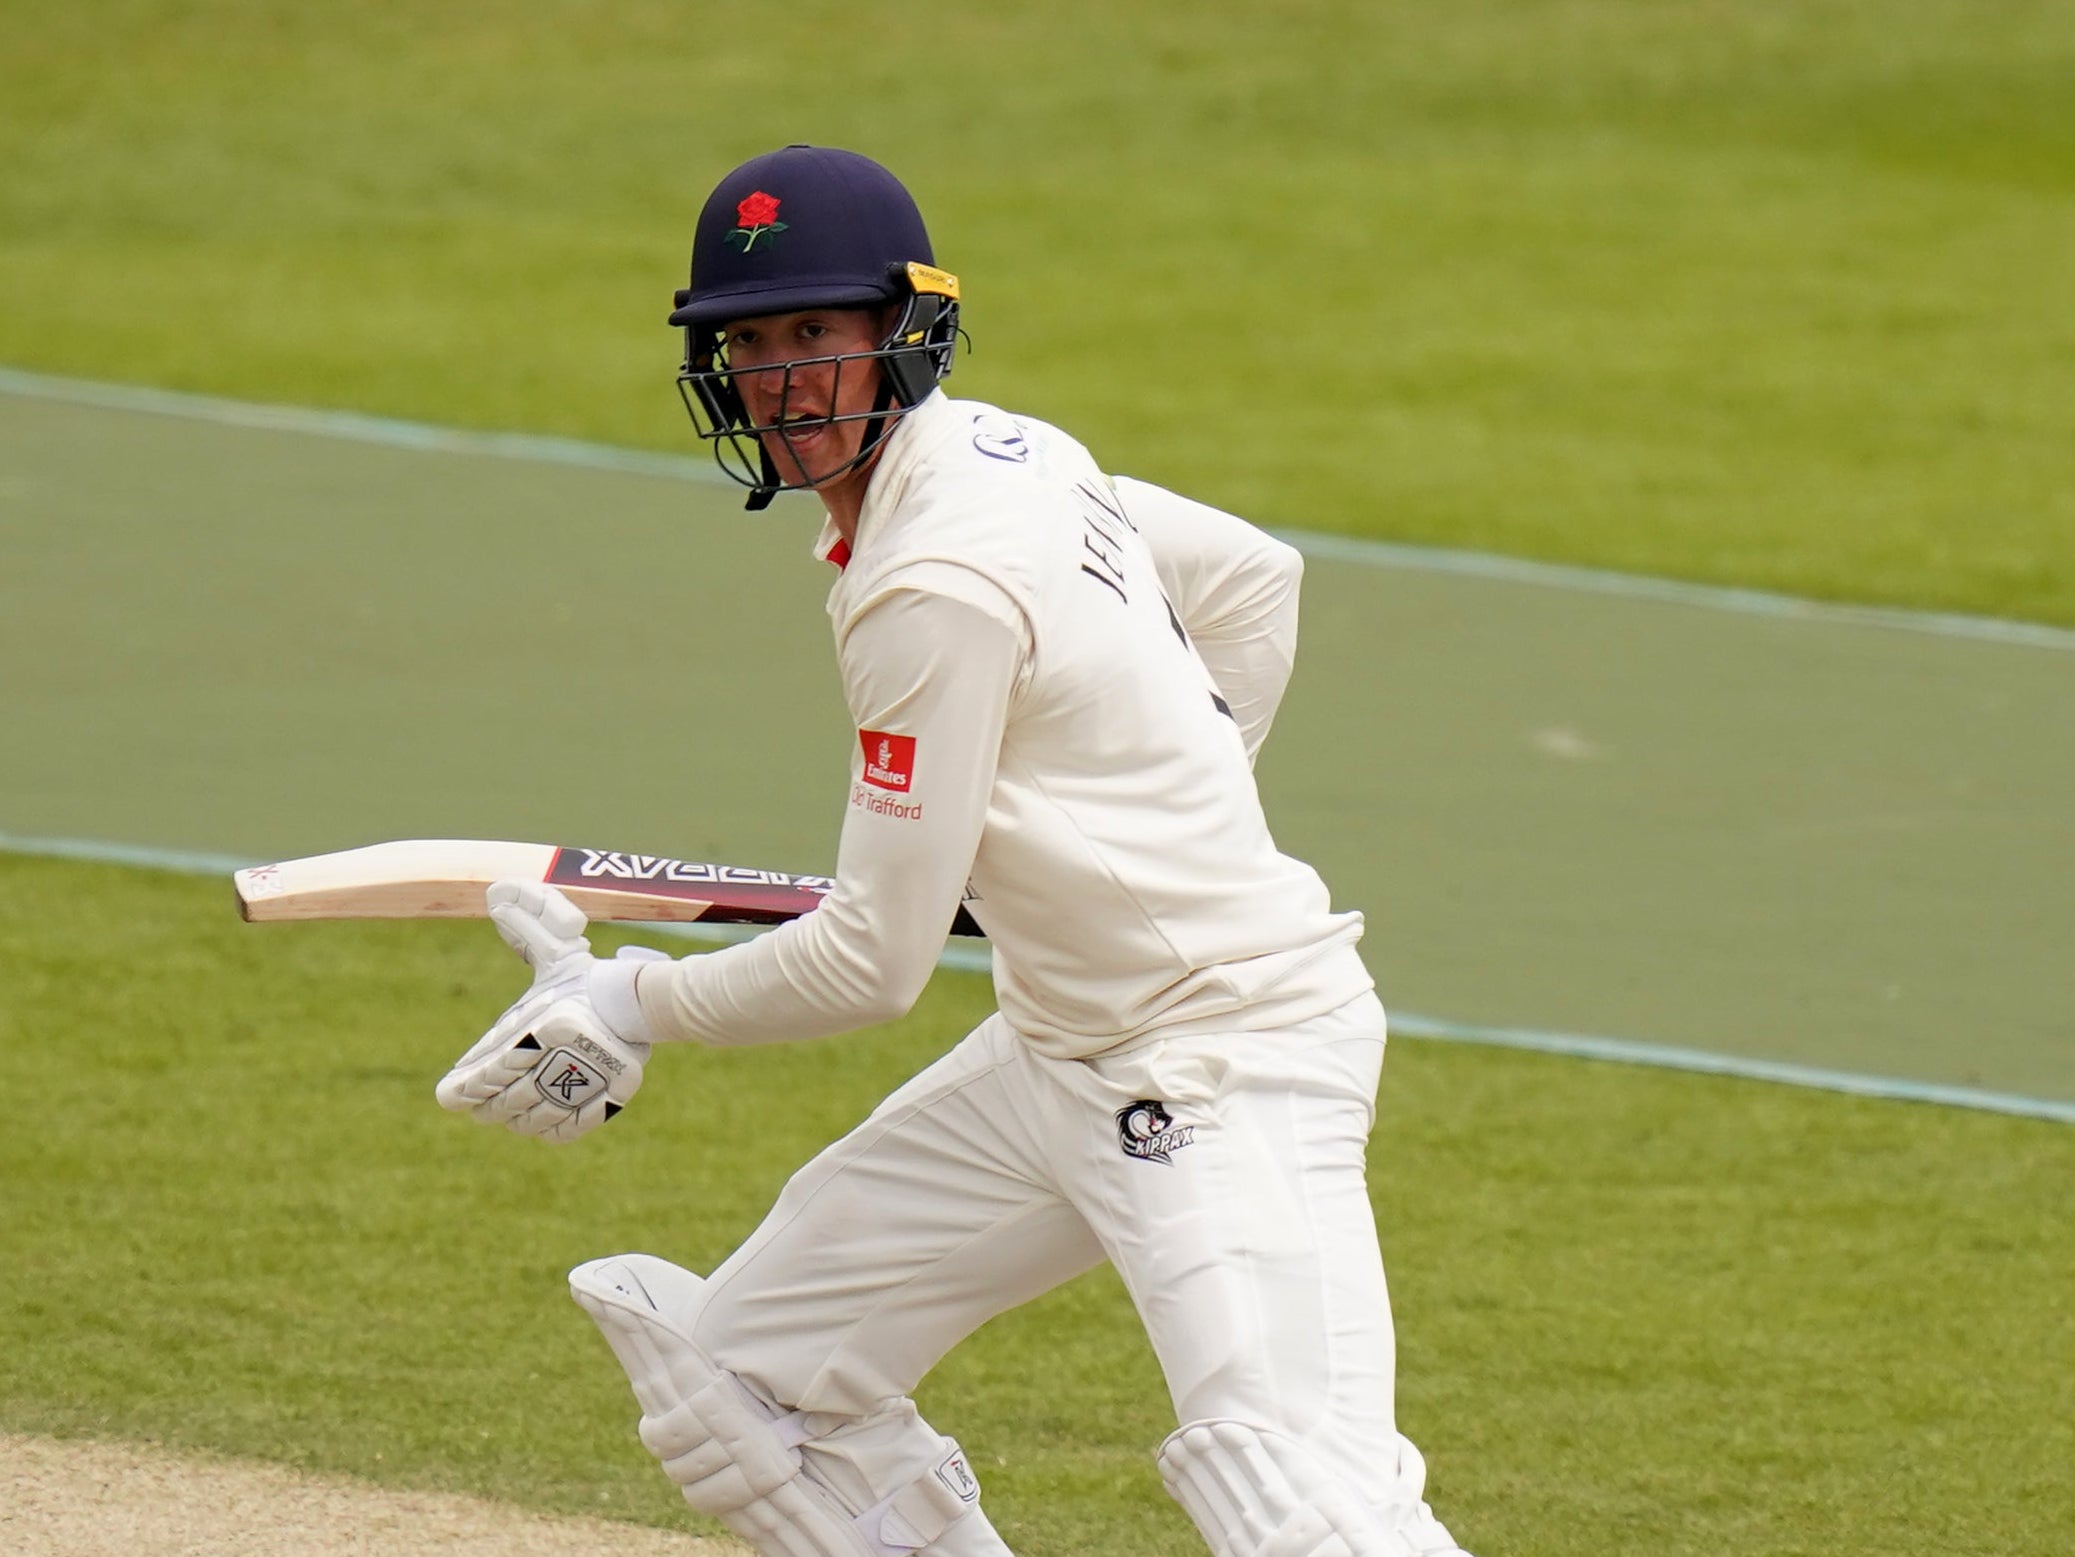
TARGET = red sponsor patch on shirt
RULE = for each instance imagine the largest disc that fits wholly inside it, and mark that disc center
(889, 759)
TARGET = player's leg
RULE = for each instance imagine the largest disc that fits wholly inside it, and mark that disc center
(1236, 1209)
(776, 1390)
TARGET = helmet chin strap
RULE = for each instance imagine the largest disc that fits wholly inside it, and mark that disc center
(875, 429)
(760, 496)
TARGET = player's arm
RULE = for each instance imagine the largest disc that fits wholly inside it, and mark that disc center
(1235, 589)
(918, 666)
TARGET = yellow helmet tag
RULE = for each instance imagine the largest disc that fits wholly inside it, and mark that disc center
(927, 278)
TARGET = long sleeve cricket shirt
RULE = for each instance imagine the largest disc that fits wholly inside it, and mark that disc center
(1059, 683)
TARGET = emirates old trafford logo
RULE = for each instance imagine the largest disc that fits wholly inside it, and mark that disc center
(889, 760)
(1149, 1133)
(755, 217)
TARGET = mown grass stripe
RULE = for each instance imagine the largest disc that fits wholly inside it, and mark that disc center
(396, 433)
(973, 959)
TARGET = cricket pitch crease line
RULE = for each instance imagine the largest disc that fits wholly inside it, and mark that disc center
(1403, 1024)
(391, 432)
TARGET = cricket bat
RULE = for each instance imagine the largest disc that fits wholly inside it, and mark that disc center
(444, 878)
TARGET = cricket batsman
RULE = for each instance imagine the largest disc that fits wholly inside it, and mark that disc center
(1059, 683)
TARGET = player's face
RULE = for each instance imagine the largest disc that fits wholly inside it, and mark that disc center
(809, 446)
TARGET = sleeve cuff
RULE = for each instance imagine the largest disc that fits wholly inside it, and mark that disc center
(610, 989)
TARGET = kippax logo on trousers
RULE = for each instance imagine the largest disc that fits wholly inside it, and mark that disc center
(1149, 1133)
(889, 760)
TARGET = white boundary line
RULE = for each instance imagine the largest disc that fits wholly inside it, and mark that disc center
(1643, 586)
(1334, 548)
(971, 959)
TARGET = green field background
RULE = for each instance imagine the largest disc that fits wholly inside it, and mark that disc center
(1640, 1312)
(1798, 840)
(1769, 293)
(1763, 294)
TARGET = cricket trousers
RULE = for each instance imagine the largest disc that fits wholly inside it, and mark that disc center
(1222, 1175)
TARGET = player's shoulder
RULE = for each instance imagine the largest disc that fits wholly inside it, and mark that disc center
(983, 444)
(979, 478)
(970, 486)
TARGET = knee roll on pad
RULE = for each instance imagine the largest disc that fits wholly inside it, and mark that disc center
(1257, 1493)
(736, 1455)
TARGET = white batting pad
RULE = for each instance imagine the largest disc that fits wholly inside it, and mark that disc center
(1255, 1493)
(735, 1455)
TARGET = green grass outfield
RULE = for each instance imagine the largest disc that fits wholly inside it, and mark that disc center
(1641, 1312)
(1767, 294)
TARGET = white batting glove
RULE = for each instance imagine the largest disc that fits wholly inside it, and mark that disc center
(551, 1066)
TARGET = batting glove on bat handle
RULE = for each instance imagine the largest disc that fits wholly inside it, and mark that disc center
(553, 1070)
(540, 924)
(551, 1065)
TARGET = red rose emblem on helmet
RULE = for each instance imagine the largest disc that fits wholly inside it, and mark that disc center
(755, 217)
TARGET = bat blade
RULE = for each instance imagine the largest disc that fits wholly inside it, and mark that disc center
(444, 878)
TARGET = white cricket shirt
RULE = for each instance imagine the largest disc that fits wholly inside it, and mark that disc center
(1059, 682)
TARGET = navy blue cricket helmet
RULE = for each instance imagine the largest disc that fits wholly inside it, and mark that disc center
(810, 227)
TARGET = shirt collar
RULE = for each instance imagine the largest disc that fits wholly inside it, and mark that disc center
(911, 436)
(829, 546)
